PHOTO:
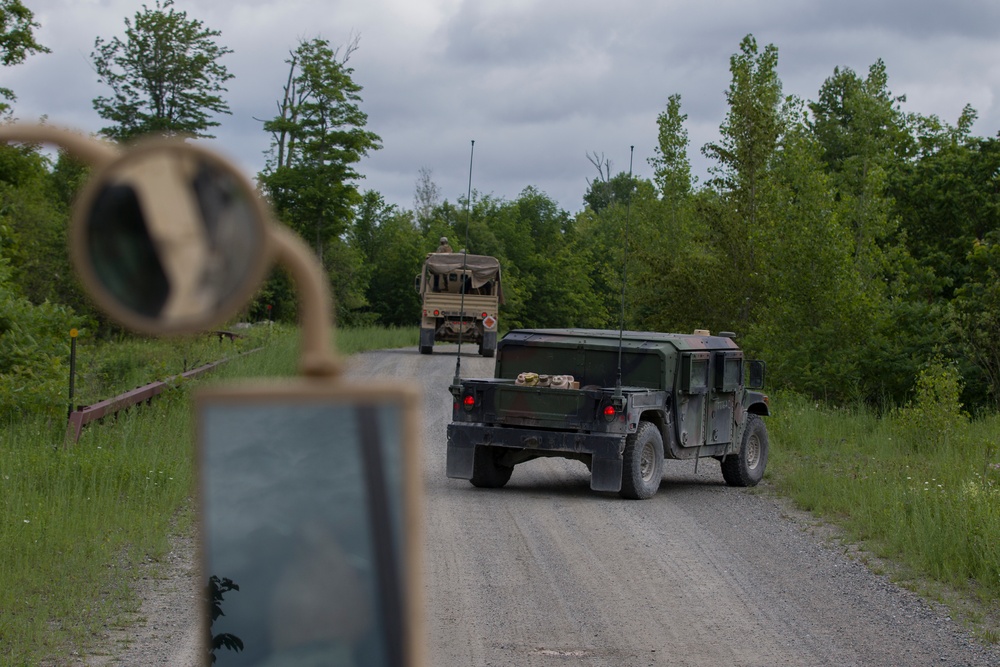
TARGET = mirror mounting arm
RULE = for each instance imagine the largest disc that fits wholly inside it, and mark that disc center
(89, 150)
(318, 358)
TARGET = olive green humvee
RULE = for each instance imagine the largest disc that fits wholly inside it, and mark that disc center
(556, 392)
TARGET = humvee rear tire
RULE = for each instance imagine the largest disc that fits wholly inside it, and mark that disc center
(642, 463)
(487, 473)
(747, 467)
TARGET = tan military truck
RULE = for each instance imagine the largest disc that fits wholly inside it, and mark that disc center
(460, 296)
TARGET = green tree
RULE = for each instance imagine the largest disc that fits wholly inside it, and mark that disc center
(17, 41)
(947, 199)
(670, 250)
(549, 259)
(318, 136)
(600, 242)
(863, 134)
(393, 251)
(751, 130)
(976, 312)
(869, 147)
(166, 76)
(671, 166)
(33, 224)
(743, 176)
(814, 319)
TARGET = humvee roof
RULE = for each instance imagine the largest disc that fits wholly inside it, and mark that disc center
(630, 339)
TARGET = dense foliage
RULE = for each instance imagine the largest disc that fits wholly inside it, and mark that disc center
(846, 241)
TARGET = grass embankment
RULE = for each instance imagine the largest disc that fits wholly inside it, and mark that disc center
(75, 521)
(918, 488)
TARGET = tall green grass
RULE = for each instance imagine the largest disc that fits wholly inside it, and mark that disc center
(919, 487)
(75, 521)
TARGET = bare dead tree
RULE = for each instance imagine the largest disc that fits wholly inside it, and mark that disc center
(603, 166)
(426, 197)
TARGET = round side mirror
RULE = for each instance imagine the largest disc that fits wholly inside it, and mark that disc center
(170, 238)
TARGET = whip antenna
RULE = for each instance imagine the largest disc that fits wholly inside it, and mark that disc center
(621, 325)
(465, 264)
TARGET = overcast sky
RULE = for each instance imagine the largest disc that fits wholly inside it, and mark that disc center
(538, 84)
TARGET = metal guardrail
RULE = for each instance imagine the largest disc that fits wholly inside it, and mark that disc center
(83, 416)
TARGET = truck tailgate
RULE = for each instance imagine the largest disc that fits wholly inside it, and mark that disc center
(510, 404)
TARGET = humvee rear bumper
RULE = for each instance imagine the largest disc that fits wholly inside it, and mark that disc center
(605, 448)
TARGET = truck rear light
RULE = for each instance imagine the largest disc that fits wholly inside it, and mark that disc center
(437, 313)
(469, 402)
(609, 412)
(485, 315)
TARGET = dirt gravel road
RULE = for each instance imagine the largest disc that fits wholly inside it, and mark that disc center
(545, 572)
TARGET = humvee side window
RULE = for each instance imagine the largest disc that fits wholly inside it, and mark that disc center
(728, 371)
(694, 372)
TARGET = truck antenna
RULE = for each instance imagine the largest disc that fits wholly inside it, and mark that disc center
(465, 264)
(621, 325)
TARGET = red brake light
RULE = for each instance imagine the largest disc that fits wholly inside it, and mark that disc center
(436, 313)
(469, 401)
(609, 411)
(485, 315)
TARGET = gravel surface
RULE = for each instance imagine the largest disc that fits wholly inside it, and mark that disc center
(546, 572)
(167, 629)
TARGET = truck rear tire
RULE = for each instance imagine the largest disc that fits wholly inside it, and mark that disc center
(487, 473)
(488, 344)
(426, 340)
(747, 467)
(642, 464)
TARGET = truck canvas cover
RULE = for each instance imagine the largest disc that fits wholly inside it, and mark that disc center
(482, 268)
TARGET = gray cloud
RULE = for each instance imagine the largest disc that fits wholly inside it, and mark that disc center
(538, 84)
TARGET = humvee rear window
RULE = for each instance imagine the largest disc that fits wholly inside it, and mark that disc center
(588, 367)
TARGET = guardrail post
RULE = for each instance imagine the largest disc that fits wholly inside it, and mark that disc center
(72, 369)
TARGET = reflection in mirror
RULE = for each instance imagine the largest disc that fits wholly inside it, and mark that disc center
(302, 514)
(172, 235)
(123, 254)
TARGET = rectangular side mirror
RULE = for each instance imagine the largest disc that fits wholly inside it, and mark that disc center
(310, 521)
(756, 374)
